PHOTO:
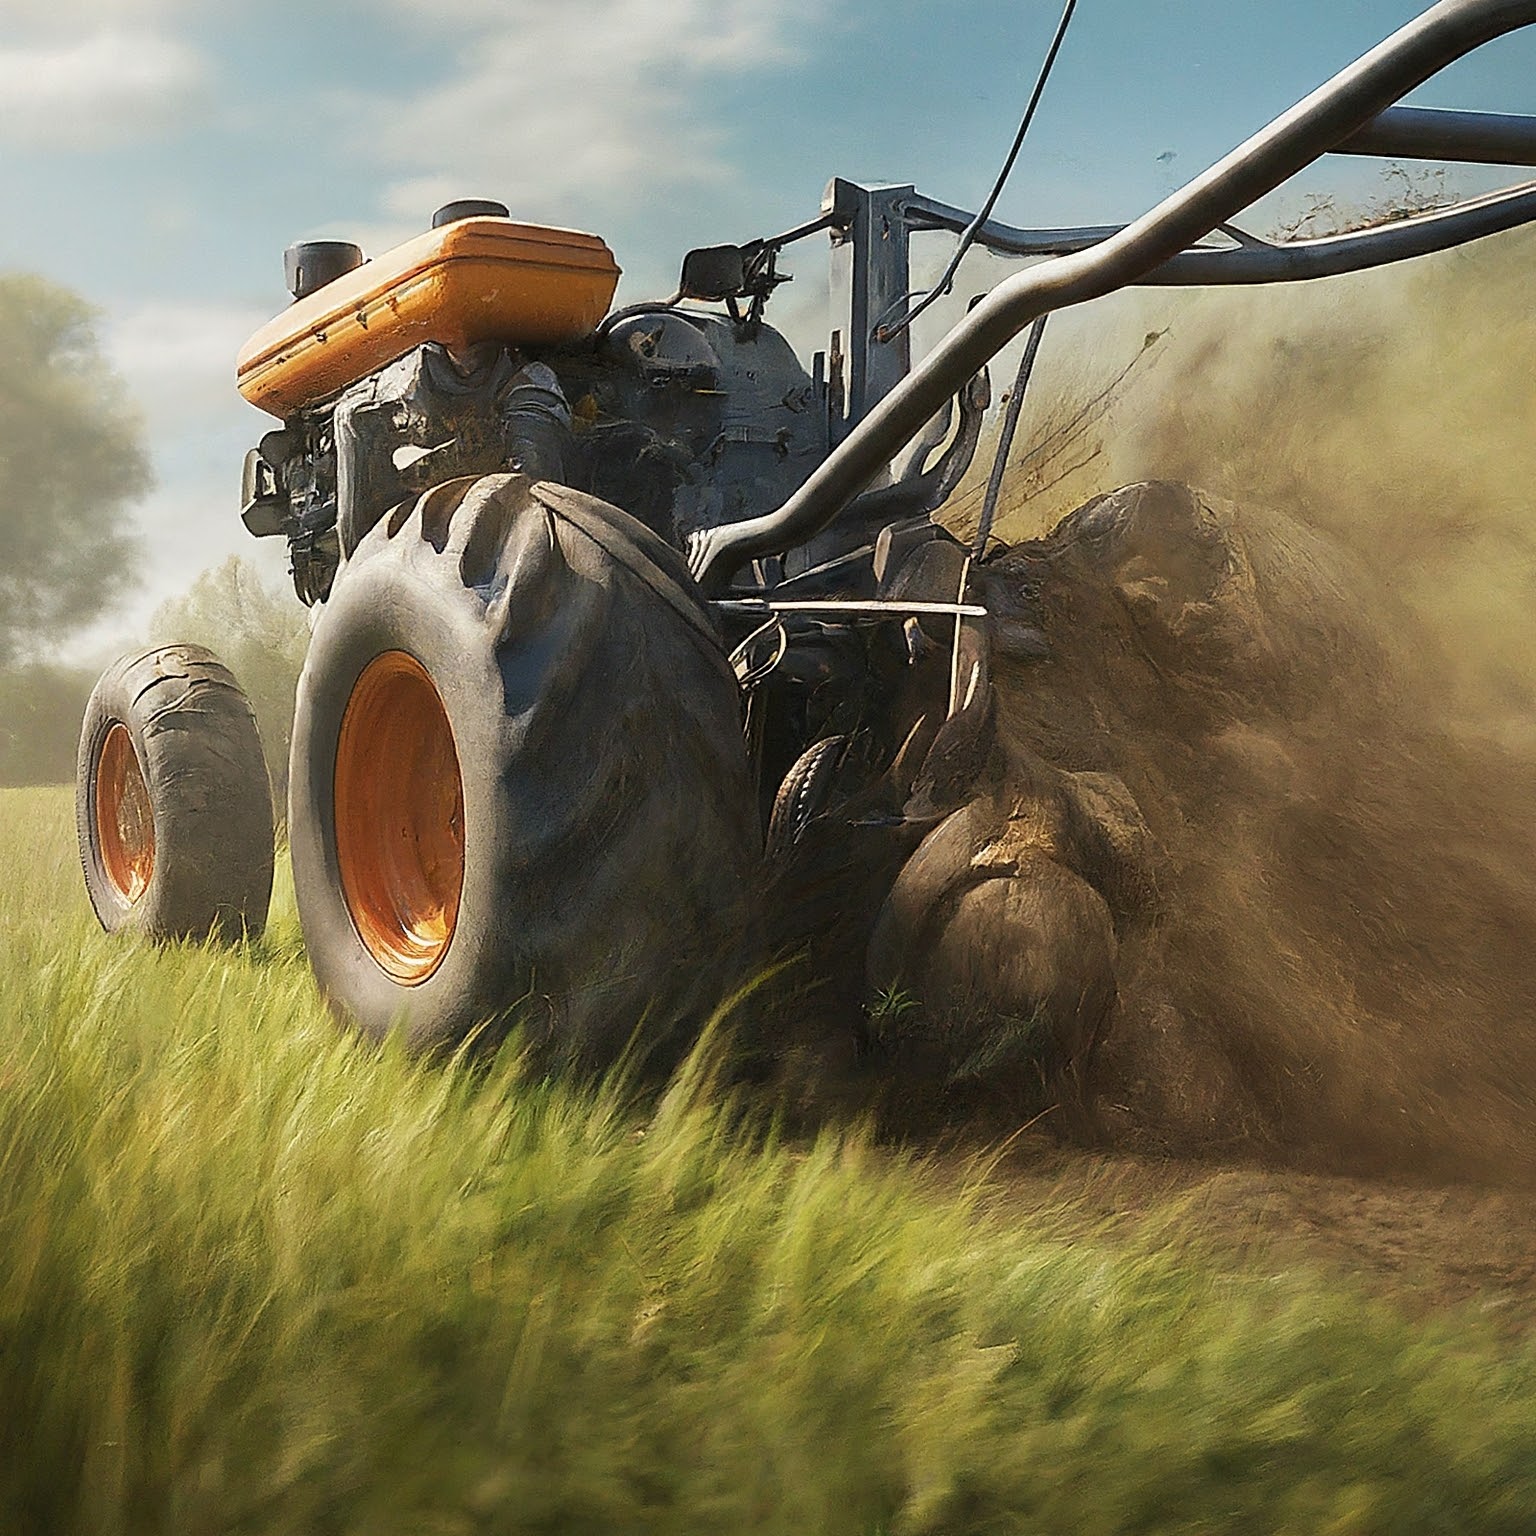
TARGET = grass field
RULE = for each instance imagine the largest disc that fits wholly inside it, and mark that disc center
(256, 1276)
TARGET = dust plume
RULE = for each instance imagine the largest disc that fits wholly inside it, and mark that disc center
(1316, 678)
(1394, 411)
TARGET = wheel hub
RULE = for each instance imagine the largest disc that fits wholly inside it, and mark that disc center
(399, 800)
(125, 825)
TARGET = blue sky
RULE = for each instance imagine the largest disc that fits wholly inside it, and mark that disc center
(157, 155)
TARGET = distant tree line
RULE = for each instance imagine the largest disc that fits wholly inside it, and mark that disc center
(72, 463)
(259, 634)
(41, 704)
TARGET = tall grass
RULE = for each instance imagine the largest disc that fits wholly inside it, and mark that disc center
(256, 1276)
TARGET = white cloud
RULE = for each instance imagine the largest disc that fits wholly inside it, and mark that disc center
(64, 15)
(178, 359)
(553, 105)
(110, 84)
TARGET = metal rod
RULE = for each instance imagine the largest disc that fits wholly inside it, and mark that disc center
(1005, 440)
(1296, 138)
(880, 606)
(1299, 261)
(1288, 261)
(800, 231)
(989, 501)
(1423, 133)
(954, 651)
(1007, 239)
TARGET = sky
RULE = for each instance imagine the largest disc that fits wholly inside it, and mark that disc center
(158, 155)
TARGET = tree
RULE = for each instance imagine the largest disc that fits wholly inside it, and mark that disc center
(259, 634)
(70, 462)
(40, 708)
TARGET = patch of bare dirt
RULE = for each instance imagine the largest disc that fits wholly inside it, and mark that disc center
(1425, 1249)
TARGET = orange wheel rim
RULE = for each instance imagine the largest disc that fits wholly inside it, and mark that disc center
(125, 825)
(399, 817)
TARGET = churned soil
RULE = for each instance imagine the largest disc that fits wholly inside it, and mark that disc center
(1425, 1248)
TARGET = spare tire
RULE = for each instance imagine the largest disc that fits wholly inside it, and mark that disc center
(173, 807)
(518, 784)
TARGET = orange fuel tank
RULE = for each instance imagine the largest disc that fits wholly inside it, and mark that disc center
(477, 279)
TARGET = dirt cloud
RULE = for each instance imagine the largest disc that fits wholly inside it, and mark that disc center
(1316, 677)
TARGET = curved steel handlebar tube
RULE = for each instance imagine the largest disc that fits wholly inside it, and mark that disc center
(1426, 133)
(1296, 261)
(1311, 128)
(1262, 261)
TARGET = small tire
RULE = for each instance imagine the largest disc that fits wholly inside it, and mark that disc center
(518, 784)
(173, 807)
(803, 793)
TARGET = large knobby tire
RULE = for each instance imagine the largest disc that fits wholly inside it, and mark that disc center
(173, 807)
(518, 783)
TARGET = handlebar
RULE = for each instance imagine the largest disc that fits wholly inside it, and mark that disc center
(1328, 116)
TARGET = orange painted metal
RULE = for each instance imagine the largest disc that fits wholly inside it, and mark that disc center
(480, 279)
(399, 801)
(125, 824)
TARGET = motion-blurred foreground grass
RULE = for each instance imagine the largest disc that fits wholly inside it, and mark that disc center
(258, 1277)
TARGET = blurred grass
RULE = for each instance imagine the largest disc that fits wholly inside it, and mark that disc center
(256, 1276)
